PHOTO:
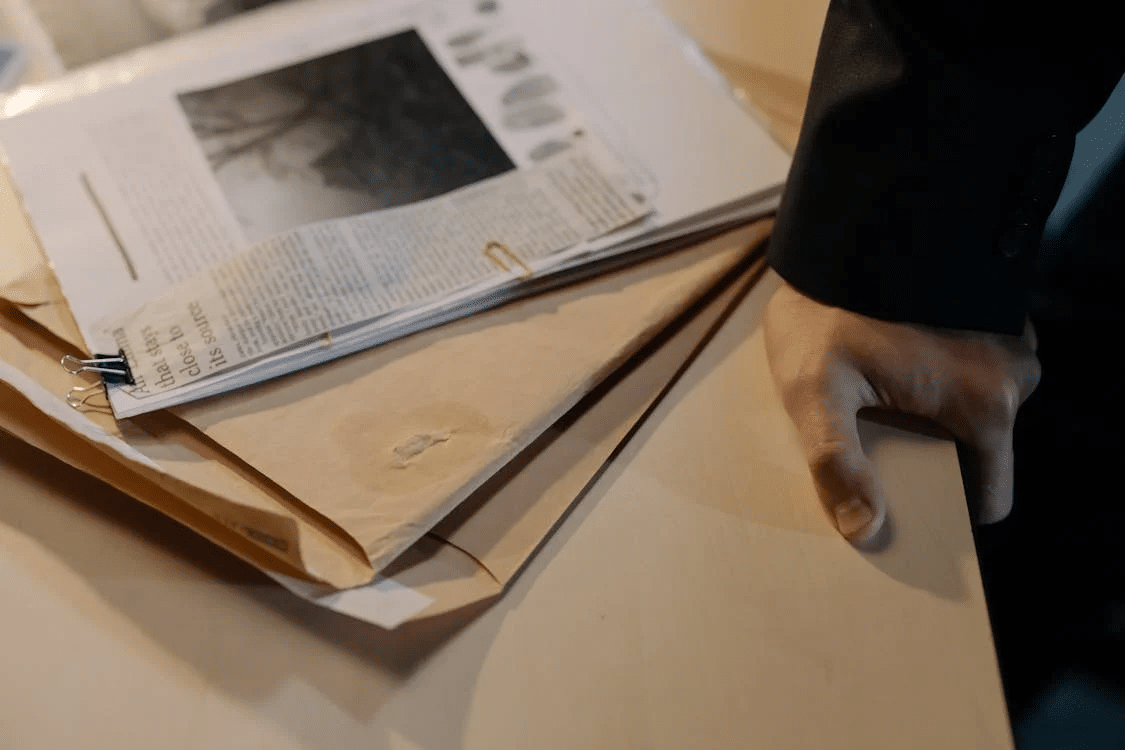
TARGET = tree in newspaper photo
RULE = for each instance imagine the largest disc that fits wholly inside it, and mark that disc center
(374, 126)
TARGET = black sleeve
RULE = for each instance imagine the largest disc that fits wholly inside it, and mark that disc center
(935, 143)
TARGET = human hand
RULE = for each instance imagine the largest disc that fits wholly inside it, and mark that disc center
(828, 363)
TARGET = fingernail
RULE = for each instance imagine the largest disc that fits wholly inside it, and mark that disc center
(852, 517)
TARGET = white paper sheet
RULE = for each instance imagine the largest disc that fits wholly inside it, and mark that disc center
(533, 75)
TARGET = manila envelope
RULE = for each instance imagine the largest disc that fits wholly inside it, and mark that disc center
(499, 380)
(174, 467)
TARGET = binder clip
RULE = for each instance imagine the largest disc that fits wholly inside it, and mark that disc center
(78, 396)
(114, 369)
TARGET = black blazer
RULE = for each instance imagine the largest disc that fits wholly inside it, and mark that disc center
(936, 141)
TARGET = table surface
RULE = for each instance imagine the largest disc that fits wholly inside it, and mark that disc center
(696, 597)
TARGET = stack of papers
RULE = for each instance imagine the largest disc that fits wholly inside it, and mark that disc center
(339, 177)
(316, 179)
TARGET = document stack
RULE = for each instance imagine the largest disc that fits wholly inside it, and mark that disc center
(367, 291)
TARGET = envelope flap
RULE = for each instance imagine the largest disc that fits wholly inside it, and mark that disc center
(507, 519)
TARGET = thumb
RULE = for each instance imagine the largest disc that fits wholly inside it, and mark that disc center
(842, 474)
(989, 471)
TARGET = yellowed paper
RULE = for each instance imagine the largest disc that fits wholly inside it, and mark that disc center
(387, 442)
(314, 531)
